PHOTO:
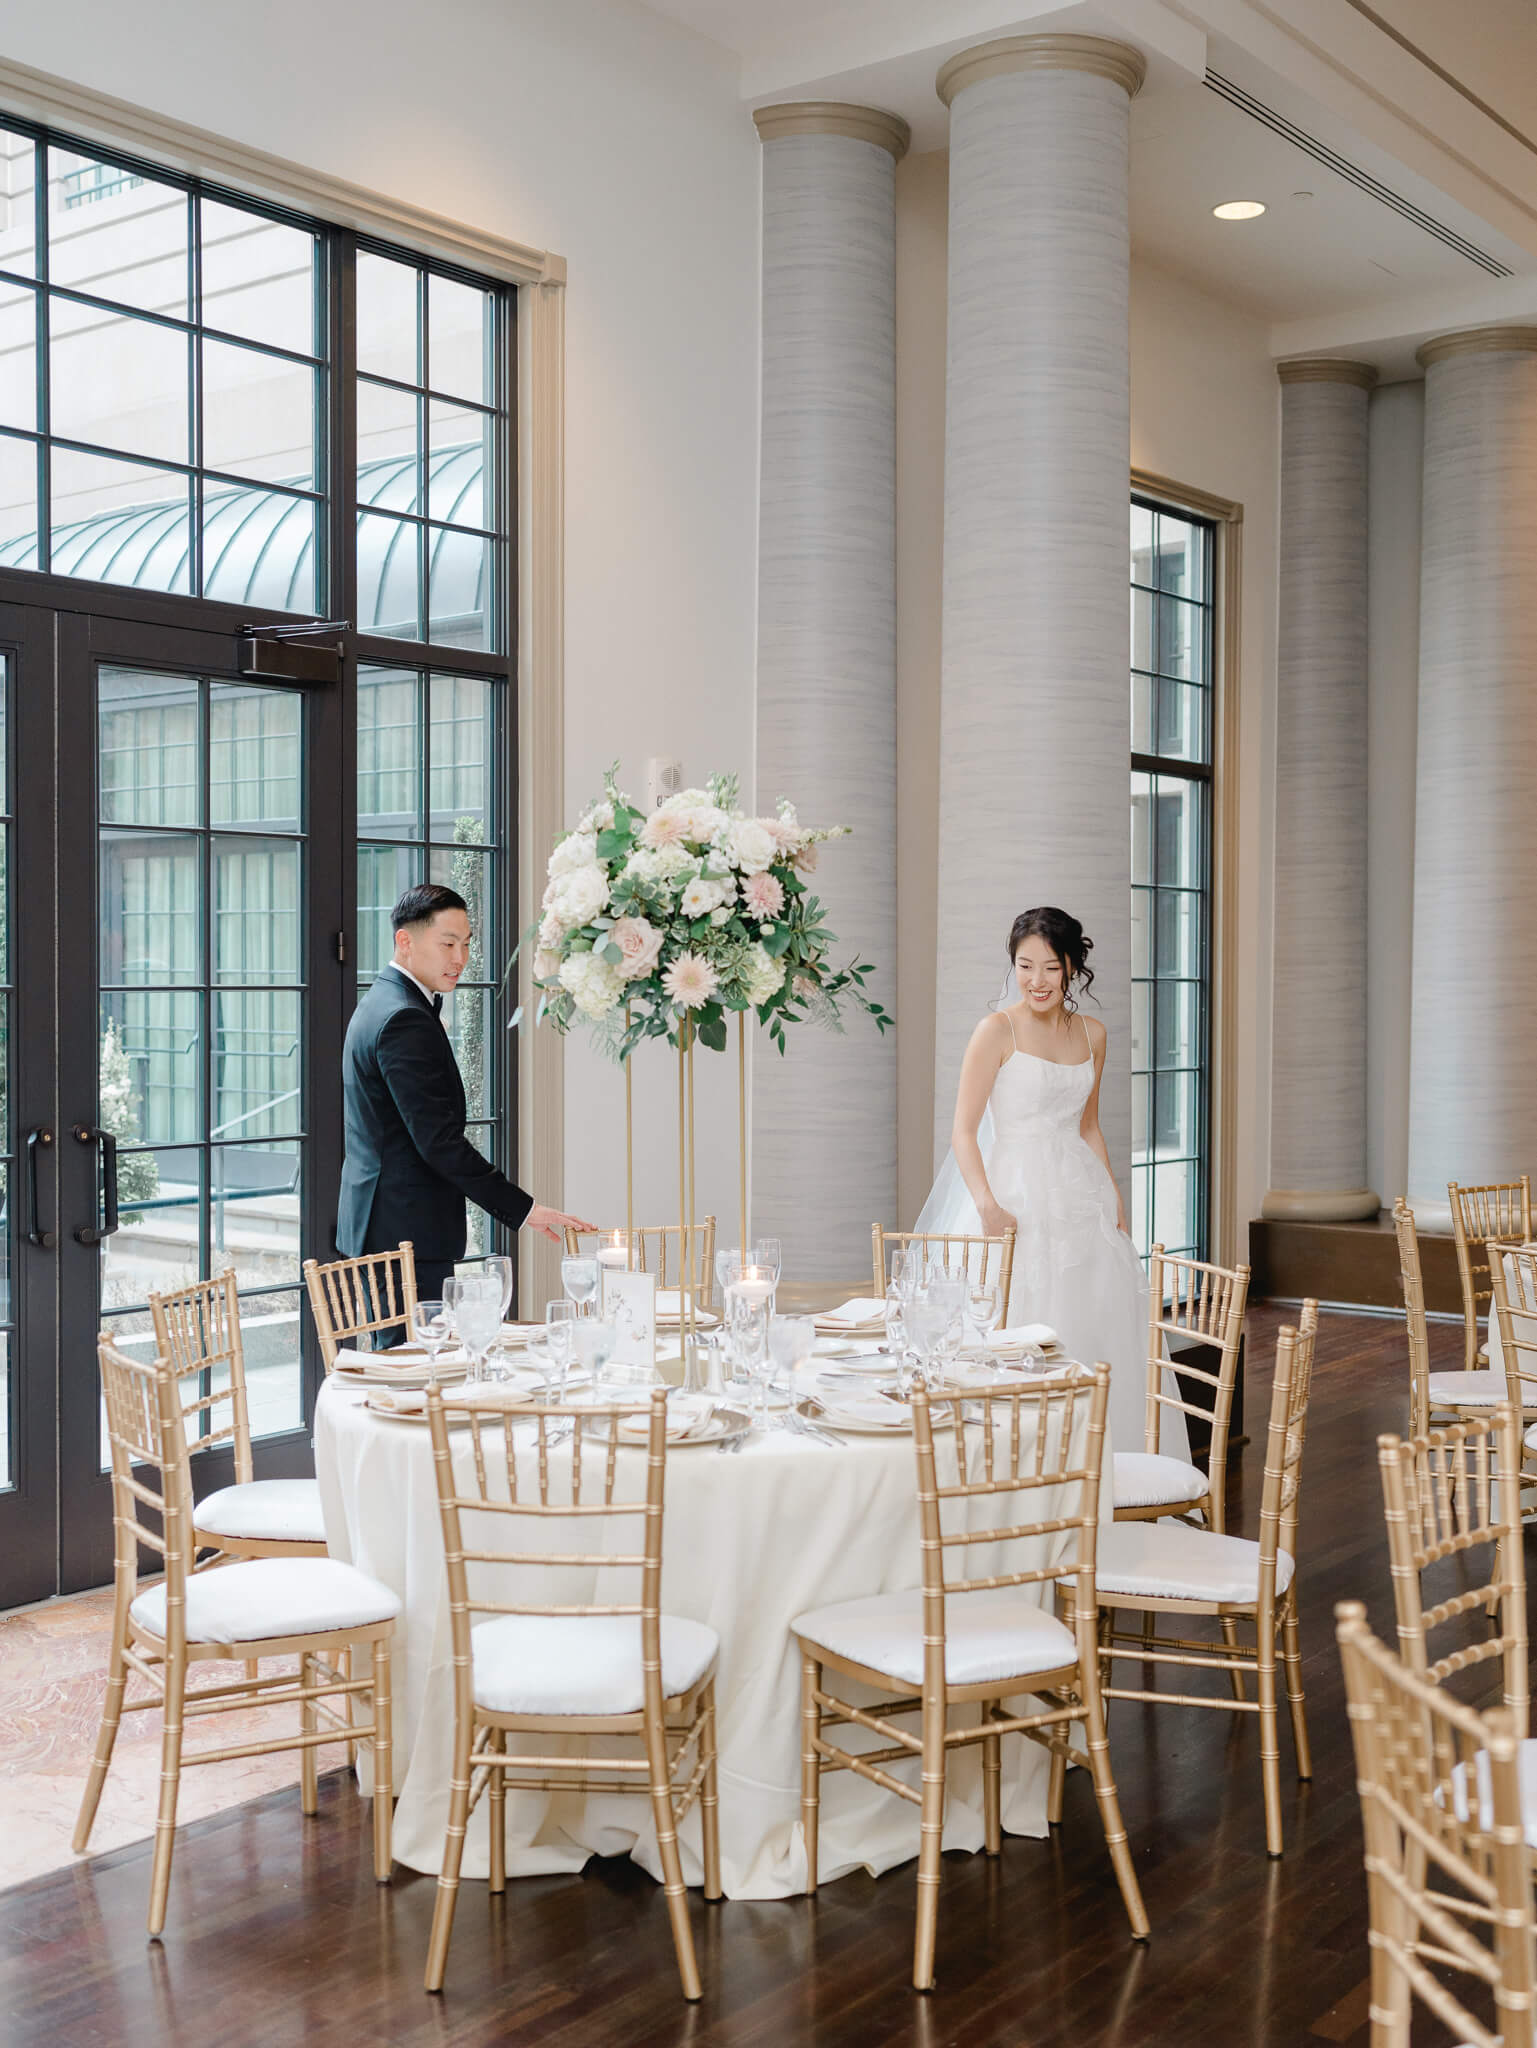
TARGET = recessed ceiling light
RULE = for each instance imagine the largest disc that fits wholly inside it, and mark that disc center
(1239, 209)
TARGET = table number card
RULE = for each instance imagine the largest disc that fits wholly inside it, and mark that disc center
(629, 1303)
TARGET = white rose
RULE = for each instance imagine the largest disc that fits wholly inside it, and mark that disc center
(701, 896)
(576, 850)
(751, 845)
(685, 800)
(581, 895)
(593, 984)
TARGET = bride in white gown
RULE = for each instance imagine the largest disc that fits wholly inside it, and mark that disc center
(1028, 1152)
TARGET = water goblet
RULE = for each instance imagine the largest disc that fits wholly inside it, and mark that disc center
(503, 1268)
(579, 1278)
(791, 1342)
(559, 1342)
(728, 1267)
(984, 1306)
(896, 1320)
(927, 1318)
(747, 1320)
(770, 1258)
(477, 1316)
(431, 1326)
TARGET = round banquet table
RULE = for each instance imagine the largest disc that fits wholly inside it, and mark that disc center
(751, 1540)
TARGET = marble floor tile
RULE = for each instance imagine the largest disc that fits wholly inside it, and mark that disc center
(53, 1661)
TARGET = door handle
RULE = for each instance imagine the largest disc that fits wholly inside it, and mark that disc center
(91, 1134)
(35, 1233)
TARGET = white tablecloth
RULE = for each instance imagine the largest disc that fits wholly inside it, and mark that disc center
(751, 1540)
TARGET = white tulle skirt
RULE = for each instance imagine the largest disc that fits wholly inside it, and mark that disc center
(1073, 1268)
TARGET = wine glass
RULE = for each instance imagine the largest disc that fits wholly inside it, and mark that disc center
(896, 1320)
(791, 1342)
(771, 1258)
(728, 1267)
(984, 1306)
(477, 1306)
(560, 1331)
(579, 1277)
(927, 1317)
(747, 1319)
(906, 1268)
(431, 1326)
(502, 1267)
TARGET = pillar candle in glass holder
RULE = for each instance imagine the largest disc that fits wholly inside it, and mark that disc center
(754, 1283)
(614, 1253)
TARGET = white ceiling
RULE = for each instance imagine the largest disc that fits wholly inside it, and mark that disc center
(1305, 259)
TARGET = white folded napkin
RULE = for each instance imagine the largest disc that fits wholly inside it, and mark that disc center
(685, 1414)
(399, 1400)
(857, 1314)
(1033, 1336)
(403, 1361)
(862, 1414)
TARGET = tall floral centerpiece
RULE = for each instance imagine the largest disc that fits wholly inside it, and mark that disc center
(663, 924)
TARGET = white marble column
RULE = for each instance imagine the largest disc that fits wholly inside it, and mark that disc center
(1318, 1056)
(1034, 730)
(824, 1117)
(1473, 1064)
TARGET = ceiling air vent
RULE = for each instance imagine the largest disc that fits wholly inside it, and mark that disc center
(1321, 153)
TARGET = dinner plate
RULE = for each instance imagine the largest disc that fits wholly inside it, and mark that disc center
(724, 1423)
(865, 1417)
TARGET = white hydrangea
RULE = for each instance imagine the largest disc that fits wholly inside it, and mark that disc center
(552, 930)
(580, 896)
(594, 985)
(751, 845)
(764, 976)
(576, 850)
(660, 863)
(599, 818)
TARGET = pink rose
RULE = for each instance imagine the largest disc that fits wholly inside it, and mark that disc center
(641, 944)
(806, 859)
(764, 895)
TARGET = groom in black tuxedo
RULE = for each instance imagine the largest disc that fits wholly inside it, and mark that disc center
(409, 1168)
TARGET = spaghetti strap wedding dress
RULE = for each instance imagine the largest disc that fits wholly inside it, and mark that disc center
(1073, 1268)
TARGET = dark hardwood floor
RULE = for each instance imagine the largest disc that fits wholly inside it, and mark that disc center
(277, 1935)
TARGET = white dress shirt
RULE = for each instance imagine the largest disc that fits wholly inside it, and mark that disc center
(431, 994)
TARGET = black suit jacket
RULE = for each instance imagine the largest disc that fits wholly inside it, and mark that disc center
(409, 1168)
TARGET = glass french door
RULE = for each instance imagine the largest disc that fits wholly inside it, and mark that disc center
(171, 1002)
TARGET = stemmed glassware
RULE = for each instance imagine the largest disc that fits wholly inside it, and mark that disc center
(747, 1324)
(560, 1333)
(579, 1277)
(791, 1342)
(475, 1301)
(936, 1322)
(502, 1266)
(984, 1306)
(432, 1327)
(769, 1259)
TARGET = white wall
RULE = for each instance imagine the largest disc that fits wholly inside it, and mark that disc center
(1395, 455)
(1204, 412)
(593, 128)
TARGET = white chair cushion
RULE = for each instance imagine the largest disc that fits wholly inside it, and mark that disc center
(1526, 1766)
(1147, 1479)
(264, 1510)
(1529, 1441)
(1468, 1389)
(1160, 1560)
(581, 1663)
(996, 1634)
(262, 1598)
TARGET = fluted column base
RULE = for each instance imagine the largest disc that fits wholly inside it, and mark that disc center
(1321, 1205)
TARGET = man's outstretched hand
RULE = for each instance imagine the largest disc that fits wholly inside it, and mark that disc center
(553, 1223)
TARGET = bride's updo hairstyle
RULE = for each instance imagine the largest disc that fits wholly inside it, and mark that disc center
(1066, 938)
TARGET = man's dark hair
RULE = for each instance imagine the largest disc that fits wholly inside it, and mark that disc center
(421, 904)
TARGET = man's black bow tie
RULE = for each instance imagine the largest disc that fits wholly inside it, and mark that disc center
(437, 1006)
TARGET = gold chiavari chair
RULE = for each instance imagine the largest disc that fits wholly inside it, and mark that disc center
(606, 1667)
(975, 1640)
(1513, 1282)
(1161, 1568)
(353, 1298)
(1498, 1209)
(1417, 1754)
(1187, 1298)
(1442, 1499)
(1443, 1395)
(197, 1332)
(309, 1608)
(658, 1249)
(987, 1259)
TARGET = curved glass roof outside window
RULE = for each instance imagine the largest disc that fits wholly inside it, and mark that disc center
(258, 548)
